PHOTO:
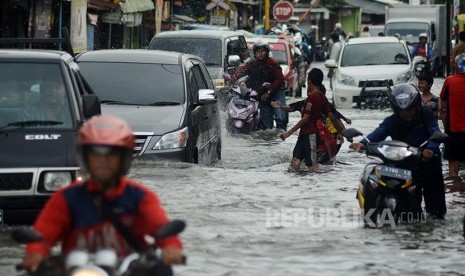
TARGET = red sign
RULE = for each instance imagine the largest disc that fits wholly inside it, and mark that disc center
(283, 11)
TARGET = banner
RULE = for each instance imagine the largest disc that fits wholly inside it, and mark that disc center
(43, 19)
(79, 25)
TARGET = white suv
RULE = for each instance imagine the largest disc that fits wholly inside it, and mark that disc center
(371, 62)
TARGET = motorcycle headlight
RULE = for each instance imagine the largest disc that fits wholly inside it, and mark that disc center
(394, 153)
(232, 113)
(89, 271)
(56, 180)
(405, 77)
(173, 140)
(346, 80)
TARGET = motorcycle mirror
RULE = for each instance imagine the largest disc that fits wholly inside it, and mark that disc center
(172, 228)
(266, 85)
(25, 235)
(438, 137)
(350, 133)
(226, 76)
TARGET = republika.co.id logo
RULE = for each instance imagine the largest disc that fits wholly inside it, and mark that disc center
(335, 218)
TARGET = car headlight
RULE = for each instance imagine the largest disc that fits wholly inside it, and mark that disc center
(346, 80)
(405, 77)
(173, 140)
(54, 181)
(394, 153)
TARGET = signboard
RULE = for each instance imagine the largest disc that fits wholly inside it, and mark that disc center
(218, 20)
(79, 25)
(283, 11)
(111, 17)
(43, 19)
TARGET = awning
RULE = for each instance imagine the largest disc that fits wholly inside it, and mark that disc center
(183, 18)
(369, 7)
(132, 6)
(314, 10)
(245, 2)
(101, 5)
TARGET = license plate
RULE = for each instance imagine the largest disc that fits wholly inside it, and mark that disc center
(241, 102)
(394, 172)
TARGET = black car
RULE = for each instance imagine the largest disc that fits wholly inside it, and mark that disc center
(167, 98)
(43, 102)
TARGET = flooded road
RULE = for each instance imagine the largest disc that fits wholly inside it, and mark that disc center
(247, 215)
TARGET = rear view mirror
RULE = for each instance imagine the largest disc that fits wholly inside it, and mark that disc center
(330, 63)
(234, 60)
(206, 96)
(438, 137)
(350, 133)
(90, 106)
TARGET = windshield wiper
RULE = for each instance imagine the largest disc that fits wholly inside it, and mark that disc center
(163, 103)
(118, 102)
(31, 123)
(112, 102)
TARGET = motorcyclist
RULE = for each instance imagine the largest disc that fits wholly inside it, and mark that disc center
(413, 124)
(422, 48)
(77, 215)
(263, 69)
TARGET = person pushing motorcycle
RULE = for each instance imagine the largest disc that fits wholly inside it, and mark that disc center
(78, 215)
(261, 69)
(414, 124)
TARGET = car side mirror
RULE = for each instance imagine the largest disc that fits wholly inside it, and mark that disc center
(330, 63)
(207, 96)
(90, 106)
(234, 60)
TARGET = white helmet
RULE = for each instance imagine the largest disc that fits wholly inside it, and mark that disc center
(425, 35)
(338, 25)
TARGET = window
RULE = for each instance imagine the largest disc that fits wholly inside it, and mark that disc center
(34, 92)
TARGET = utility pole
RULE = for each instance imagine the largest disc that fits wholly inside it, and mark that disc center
(267, 15)
(448, 30)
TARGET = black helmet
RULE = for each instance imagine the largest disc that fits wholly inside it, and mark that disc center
(405, 96)
(260, 44)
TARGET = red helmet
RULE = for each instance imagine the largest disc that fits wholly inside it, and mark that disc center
(106, 131)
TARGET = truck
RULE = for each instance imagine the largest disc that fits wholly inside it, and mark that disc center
(43, 102)
(409, 21)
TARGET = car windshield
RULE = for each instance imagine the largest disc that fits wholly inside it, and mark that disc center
(33, 95)
(406, 30)
(207, 48)
(374, 54)
(134, 83)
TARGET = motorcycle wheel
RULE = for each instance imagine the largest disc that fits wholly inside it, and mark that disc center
(370, 204)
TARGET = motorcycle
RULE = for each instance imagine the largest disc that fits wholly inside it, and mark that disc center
(104, 262)
(386, 188)
(242, 111)
(320, 50)
(420, 66)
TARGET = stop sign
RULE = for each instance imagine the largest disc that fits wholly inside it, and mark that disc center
(283, 11)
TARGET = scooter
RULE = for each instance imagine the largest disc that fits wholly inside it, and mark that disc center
(242, 111)
(104, 262)
(386, 188)
(420, 66)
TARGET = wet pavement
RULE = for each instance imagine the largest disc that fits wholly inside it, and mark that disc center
(247, 215)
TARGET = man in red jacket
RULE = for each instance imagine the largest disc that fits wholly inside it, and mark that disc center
(452, 113)
(259, 70)
(74, 217)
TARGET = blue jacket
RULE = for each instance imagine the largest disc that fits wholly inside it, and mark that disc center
(413, 135)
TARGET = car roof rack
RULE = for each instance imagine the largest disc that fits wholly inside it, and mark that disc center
(63, 43)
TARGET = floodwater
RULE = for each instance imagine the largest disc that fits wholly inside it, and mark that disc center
(247, 215)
